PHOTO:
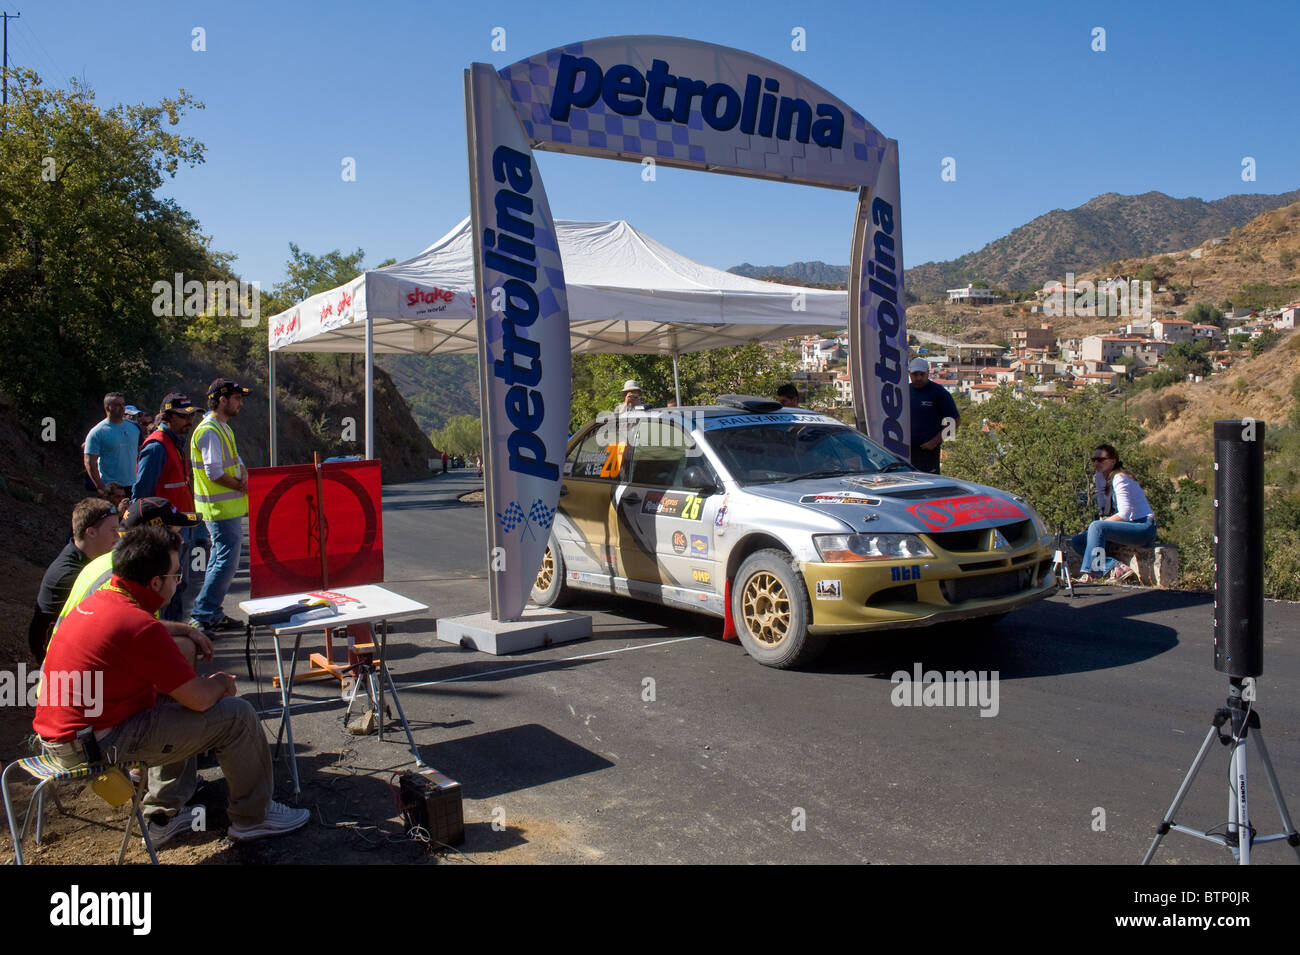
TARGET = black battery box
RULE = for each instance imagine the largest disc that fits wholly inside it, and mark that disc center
(432, 802)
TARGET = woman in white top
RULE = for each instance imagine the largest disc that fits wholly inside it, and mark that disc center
(1132, 522)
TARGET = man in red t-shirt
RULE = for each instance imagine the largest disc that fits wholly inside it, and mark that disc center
(112, 660)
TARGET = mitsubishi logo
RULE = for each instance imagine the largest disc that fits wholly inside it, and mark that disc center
(999, 542)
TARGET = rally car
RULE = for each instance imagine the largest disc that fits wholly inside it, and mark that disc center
(788, 524)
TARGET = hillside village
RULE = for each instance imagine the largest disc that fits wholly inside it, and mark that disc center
(1040, 361)
(1171, 316)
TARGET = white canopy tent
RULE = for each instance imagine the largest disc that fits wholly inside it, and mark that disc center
(627, 294)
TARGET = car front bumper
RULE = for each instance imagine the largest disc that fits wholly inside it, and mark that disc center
(858, 596)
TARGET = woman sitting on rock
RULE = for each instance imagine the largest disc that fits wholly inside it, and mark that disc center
(1132, 522)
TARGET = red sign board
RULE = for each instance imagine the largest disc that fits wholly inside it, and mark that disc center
(948, 512)
(286, 527)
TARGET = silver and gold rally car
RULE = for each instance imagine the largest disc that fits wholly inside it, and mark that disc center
(788, 524)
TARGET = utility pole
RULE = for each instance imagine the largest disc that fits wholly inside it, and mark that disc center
(6, 17)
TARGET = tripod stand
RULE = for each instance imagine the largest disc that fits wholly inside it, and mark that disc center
(1240, 835)
(370, 674)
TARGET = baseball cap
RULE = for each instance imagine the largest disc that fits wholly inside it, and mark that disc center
(131, 409)
(918, 364)
(177, 403)
(631, 385)
(154, 510)
(224, 387)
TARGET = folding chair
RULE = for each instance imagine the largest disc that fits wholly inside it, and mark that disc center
(43, 769)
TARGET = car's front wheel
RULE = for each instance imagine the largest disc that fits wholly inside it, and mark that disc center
(771, 611)
(549, 589)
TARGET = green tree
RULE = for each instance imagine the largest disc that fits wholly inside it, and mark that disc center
(462, 435)
(1040, 450)
(84, 237)
(741, 369)
(1203, 313)
(1267, 339)
(1188, 358)
(1147, 273)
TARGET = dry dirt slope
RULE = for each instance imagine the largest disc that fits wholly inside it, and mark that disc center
(1181, 417)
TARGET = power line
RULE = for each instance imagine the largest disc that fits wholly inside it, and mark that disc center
(58, 70)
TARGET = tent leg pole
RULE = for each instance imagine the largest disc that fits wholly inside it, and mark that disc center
(677, 385)
(370, 390)
(270, 388)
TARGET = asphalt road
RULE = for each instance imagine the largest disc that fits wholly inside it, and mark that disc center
(1102, 702)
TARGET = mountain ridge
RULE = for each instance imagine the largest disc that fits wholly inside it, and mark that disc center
(1105, 229)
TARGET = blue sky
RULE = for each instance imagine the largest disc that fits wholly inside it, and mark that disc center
(1014, 92)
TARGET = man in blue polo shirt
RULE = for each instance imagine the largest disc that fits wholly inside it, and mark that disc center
(934, 415)
(112, 447)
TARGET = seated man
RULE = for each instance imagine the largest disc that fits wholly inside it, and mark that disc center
(96, 574)
(126, 658)
(94, 532)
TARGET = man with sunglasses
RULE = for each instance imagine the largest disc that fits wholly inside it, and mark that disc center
(114, 638)
(164, 471)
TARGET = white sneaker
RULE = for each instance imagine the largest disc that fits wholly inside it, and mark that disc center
(161, 834)
(279, 820)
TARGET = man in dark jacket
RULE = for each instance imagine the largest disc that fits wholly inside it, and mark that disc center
(934, 417)
(94, 532)
(164, 471)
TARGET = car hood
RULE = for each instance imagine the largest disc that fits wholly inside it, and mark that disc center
(899, 502)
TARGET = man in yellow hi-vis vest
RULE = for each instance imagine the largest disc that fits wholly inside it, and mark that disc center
(221, 498)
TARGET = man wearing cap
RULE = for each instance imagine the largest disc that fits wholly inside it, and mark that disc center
(164, 471)
(631, 397)
(934, 416)
(221, 498)
(111, 447)
(158, 511)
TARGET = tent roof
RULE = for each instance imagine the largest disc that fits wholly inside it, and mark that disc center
(627, 293)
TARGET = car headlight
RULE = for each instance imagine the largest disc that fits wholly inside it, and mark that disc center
(1040, 525)
(835, 548)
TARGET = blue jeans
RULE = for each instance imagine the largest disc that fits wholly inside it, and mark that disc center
(227, 540)
(1092, 545)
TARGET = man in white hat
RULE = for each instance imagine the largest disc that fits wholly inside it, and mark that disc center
(631, 397)
(934, 415)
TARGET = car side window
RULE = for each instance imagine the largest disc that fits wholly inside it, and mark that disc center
(599, 455)
(661, 452)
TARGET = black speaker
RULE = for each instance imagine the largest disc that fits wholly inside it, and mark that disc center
(1239, 547)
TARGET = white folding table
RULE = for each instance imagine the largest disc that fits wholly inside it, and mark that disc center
(369, 603)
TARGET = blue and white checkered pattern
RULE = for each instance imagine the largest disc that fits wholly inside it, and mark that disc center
(541, 515)
(532, 83)
(513, 516)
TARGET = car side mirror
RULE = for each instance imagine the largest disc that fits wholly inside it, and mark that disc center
(698, 479)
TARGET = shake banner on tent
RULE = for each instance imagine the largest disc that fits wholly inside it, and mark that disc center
(523, 335)
(694, 105)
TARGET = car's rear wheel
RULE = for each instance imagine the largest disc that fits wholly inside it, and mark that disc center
(549, 589)
(771, 612)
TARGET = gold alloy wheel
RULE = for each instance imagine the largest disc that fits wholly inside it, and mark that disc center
(546, 573)
(765, 606)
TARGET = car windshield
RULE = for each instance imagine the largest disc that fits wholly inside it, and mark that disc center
(790, 451)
